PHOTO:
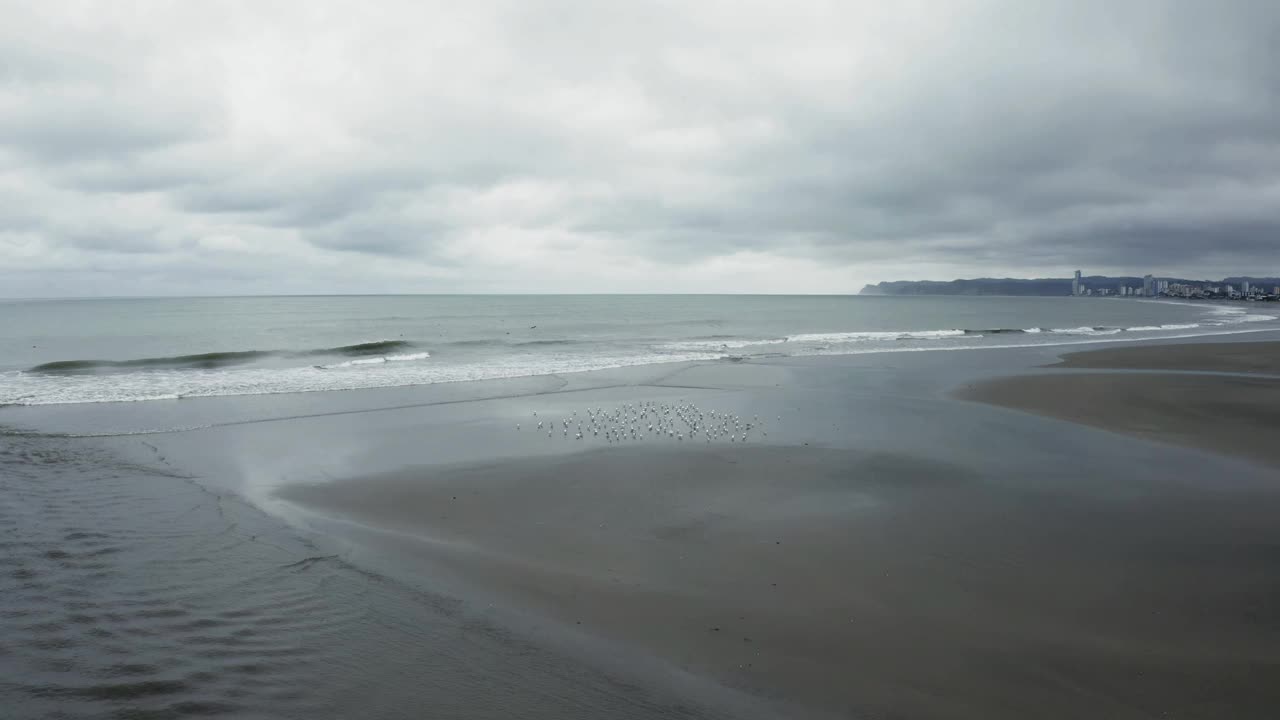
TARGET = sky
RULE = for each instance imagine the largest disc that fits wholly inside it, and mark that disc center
(692, 146)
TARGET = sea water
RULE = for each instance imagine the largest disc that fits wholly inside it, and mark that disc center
(106, 350)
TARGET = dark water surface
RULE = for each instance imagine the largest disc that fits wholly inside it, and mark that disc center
(127, 591)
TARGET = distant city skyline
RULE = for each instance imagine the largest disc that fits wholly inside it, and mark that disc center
(1079, 284)
(1153, 286)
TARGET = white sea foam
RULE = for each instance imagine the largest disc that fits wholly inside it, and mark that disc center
(1236, 315)
(1057, 343)
(824, 338)
(1158, 328)
(704, 345)
(37, 389)
(845, 337)
(379, 360)
(1086, 331)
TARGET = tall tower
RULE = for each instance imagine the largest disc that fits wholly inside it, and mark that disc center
(1147, 286)
(1075, 284)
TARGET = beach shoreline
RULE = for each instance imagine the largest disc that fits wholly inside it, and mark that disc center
(887, 549)
(815, 576)
(1217, 397)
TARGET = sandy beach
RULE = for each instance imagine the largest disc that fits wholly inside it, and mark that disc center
(888, 550)
(1180, 401)
(1237, 357)
(866, 585)
(858, 582)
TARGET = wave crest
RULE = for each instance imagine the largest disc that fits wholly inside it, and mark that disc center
(212, 360)
(201, 361)
(377, 347)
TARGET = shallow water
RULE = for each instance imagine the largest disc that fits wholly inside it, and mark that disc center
(131, 592)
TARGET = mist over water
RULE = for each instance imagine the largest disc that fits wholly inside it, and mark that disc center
(144, 349)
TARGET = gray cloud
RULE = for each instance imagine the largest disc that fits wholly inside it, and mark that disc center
(564, 145)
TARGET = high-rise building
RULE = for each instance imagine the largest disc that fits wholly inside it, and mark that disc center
(1245, 288)
(1075, 284)
(1147, 285)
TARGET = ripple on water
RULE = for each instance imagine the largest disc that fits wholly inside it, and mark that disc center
(133, 595)
(109, 606)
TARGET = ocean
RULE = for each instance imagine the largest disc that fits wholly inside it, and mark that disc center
(112, 350)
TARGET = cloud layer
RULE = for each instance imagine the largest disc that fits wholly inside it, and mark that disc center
(557, 146)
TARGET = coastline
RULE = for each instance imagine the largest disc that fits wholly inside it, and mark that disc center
(1218, 397)
(887, 549)
(1237, 357)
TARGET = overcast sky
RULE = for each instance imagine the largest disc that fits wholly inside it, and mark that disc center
(531, 146)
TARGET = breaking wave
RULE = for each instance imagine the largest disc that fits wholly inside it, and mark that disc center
(213, 360)
(369, 348)
(836, 338)
(1222, 317)
(399, 363)
(842, 337)
(201, 361)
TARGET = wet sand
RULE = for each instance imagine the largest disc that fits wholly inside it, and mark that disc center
(862, 584)
(1241, 357)
(1231, 414)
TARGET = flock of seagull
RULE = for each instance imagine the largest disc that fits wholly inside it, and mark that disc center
(680, 421)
